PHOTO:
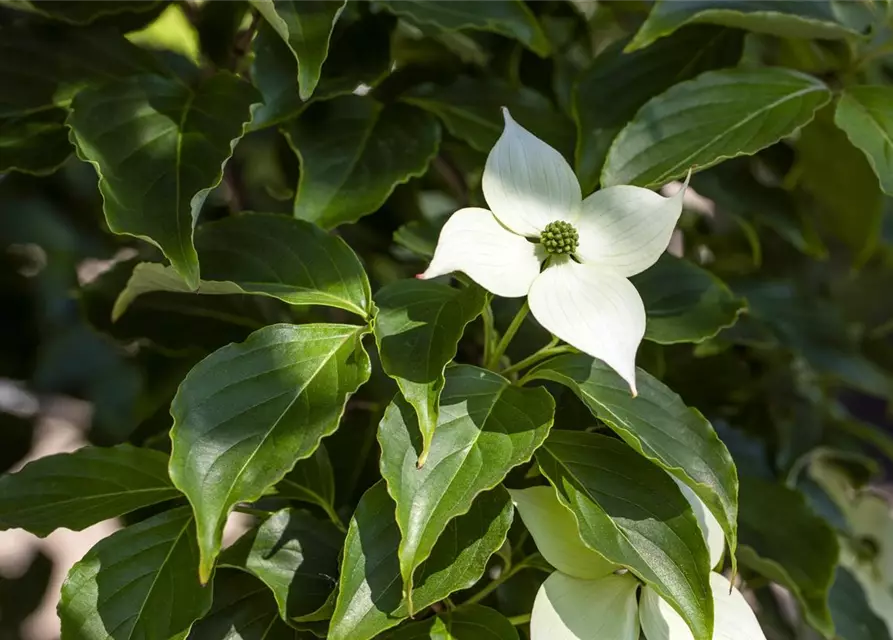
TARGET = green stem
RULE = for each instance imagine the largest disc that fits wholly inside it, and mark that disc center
(489, 331)
(493, 361)
(542, 354)
(495, 584)
(333, 516)
(517, 621)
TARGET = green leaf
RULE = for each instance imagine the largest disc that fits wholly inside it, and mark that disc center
(312, 480)
(245, 414)
(296, 556)
(470, 110)
(140, 582)
(486, 427)
(77, 490)
(802, 555)
(159, 148)
(359, 55)
(36, 143)
(306, 27)
(243, 609)
(417, 329)
(850, 203)
(353, 152)
(370, 595)
(632, 513)
(658, 425)
(854, 619)
(87, 11)
(269, 255)
(510, 18)
(787, 18)
(36, 77)
(866, 115)
(718, 115)
(465, 623)
(617, 84)
(685, 303)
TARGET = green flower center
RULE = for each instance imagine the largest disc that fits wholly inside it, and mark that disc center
(559, 238)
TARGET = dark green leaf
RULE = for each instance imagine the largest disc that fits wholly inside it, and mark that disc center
(306, 27)
(296, 556)
(353, 152)
(788, 18)
(140, 582)
(311, 481)
(866, 114)
(243, 609)
(245, 414)
(685, 303)
(359, 55)
(35, 143)
(36, 77)
(159, 148)
(87, 11)
(510, 18)
(486, 427)
(466, 623)
(854, 619)
(633, 514)
(370, 598)
(801, 555)
(418, 328)
(77, 490)
(658, 425)
(471, 110)
(718, 115)
(617, 84)
(270, 255)
(850, 203)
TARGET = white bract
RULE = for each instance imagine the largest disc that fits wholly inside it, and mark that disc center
(585, 599)
(590, 246)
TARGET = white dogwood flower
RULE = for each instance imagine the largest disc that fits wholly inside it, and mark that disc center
(587, 599)
(590, 246)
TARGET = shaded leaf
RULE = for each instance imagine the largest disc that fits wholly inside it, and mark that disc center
(140, 582)
(296, 556)
(466, 623)
(718, 115)
(854, 619)
(801, 556)
(312, 480)
(866, 115)
(305, 26)
(36, 77)
(633, 514)
(87, 11)
(470, 109)
(243, 609)
(159, 148)
(658, 425)
(418, 328)
(370, 598)
(245, 414)
(792, 19)
(617, 84)
(77, 490)
(264, 254)
(36, 143)
(685, 303)
(510, 18)
(353, 152)
(485, 428)
(850, 203)
(359, 55)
